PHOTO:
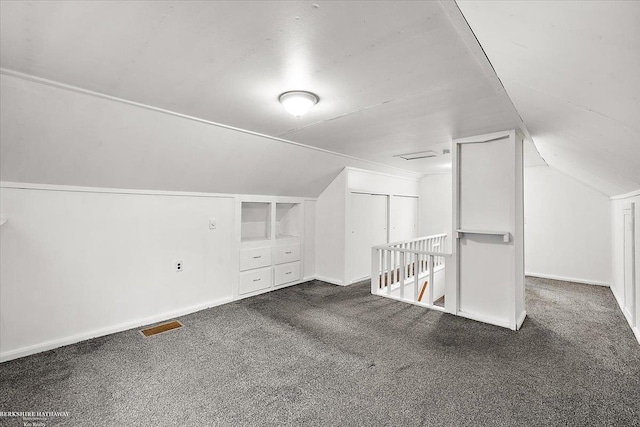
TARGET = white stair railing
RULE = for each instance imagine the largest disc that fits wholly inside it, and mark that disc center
(404, 270)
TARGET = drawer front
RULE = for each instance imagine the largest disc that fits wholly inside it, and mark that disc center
(255, 280)
(255, 258)
(285, 273)
(288, 253)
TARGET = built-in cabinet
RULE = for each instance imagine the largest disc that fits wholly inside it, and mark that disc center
(271, 241)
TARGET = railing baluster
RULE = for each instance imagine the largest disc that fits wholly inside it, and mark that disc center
(389, 271)
(402, 261)
(381, 264)
(375, 267)
(407, 261)
(416, 283)
(431, 280)
(383, 268)
(394, 263)
(412, 267)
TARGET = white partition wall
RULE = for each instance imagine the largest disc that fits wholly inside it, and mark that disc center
(625, 231)
(487, 273)
(629, 288)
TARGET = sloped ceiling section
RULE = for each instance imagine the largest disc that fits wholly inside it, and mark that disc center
(52, 135)
(393, 77)
(571, 68)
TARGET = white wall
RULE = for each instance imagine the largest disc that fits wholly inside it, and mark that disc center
(330, 231)
(309, 238)
(81, 264)
(367, 181)
(567, 228)
(556, 205)
(435, 205)
(617, 252)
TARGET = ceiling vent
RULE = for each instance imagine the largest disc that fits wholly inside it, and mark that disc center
(418, 155)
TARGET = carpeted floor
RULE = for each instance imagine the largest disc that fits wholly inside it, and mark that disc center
(317, 354)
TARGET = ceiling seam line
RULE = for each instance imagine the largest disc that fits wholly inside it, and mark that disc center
(575, 105)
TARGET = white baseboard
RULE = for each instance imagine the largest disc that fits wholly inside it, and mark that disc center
(362, 279)
(636, 329)
(568, 279)
(520, 320)
(330, 280)
(484, 319)
(617, 297)
(60, 342)
(404, 301)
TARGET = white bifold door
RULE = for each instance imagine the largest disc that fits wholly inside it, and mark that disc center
(367, 228)
(403, 218)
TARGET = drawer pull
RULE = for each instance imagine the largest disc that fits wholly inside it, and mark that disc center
(288, 272)
(288, 252)
(256, 280)
(256, 257)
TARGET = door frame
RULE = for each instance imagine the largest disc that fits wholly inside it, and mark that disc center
(629, 209)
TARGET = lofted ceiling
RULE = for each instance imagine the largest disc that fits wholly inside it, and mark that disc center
(572, 69)
(393, 77)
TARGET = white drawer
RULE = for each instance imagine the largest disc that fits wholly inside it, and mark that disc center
(285, 273)
(255, 280)
(286, 253)
(255, 258)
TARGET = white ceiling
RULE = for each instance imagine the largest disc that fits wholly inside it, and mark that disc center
(393, 77)
(572, 69)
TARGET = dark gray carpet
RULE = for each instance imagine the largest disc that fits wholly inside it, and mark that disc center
(317, 354)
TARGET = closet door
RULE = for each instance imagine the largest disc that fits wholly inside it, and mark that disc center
(404, 218)
(368, 228)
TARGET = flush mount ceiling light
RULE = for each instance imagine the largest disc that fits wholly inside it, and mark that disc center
(298, 102)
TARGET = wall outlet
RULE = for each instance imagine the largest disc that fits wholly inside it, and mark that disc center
(179, 266)
(212, 224)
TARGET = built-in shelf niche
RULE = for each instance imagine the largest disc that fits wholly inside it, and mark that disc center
(287, 220)
(256, 221)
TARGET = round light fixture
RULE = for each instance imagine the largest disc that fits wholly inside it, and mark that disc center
(298, 102)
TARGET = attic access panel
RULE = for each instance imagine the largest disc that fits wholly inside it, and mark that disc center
(418, 155)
